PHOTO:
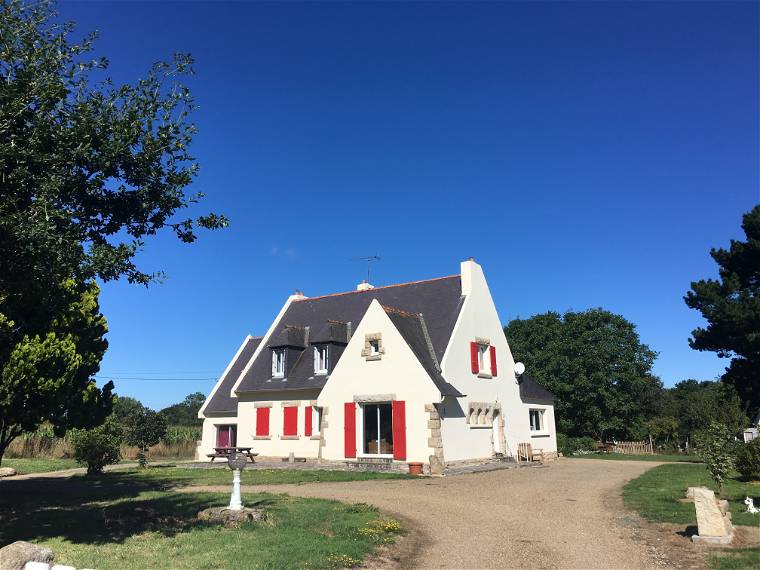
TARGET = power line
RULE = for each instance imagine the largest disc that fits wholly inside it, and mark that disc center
(112, 377)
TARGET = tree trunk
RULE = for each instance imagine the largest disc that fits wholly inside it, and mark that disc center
(7, 435)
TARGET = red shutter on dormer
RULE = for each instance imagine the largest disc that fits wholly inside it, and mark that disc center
(474, 357)
(307, 422)
(492, 350)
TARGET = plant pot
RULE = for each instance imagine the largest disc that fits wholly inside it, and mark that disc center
(415, 468)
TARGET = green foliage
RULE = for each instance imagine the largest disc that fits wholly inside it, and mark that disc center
(731, 307)
(717, 447)
(146, 429)
(595, 364)
(125, 408)
(181, 434)
(572, 445)
(748, 459)
(99, 446)
(186, 412)
(46, 372)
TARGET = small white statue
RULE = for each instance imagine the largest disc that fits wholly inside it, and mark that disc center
(751, 508)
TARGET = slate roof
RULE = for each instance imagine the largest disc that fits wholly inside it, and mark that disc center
(439, 300)
(222, 402)
(414, 331)
(532, 391)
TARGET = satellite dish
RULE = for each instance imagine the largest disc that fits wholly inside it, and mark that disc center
(519, 368)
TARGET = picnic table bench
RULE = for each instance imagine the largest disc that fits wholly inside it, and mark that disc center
(227, 452)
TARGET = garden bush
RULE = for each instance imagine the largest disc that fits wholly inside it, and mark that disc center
(97, 447)
(571, 445)
(748, 460)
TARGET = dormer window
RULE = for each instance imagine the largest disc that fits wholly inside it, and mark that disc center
(278, 362)
(320, 359)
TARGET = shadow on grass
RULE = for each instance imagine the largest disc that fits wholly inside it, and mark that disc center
(96, 510)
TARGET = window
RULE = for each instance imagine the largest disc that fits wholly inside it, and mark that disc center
(377, 429)
(484, 363)
(373, 346)
(536, 420)
(483, 358)
(278, 363)
(320, 359)
(262, 422)
(226, 436)
(290, 421)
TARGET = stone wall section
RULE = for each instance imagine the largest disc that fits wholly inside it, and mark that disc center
(435, 441)
(322, 428)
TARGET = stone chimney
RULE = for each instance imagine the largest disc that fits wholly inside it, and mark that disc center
(364, 286)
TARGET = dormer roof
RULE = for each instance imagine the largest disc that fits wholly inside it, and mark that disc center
(292, 336)
(332, 331)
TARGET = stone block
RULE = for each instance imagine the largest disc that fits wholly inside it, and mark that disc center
(37, 566)
(17, 554)
(435, 433)
(436, 465)
(61, 567)
(232, 518)
(435, 442)
(712, 523)
(7, 471)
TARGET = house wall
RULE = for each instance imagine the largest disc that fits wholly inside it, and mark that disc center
(479, 319)
(208, 434)
(546, 439)
(276, 444)
(397, 373)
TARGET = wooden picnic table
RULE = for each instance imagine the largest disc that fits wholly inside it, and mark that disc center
(227, 452)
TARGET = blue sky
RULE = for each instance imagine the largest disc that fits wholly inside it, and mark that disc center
(586, 154)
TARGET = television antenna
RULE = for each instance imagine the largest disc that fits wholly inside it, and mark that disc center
(369, 259)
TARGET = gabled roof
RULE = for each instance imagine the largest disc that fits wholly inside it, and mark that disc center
(221, 401)
(414, 332)
(439, 300)
(531, 391)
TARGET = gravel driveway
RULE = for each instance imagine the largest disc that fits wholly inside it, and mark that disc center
(565, 515)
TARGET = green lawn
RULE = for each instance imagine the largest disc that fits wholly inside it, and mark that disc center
(180, 476)
(675, 457)
(655, 495)
(38, 465)
(123, 520)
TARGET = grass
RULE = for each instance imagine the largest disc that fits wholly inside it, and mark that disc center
(39, 465)
(124, 520)
(177, 476)
(655, 496)
(674, 457)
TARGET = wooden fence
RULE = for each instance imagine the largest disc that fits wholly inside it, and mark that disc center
(634, 447)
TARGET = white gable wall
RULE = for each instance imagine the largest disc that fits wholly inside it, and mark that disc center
(479, 319)
(398, 372)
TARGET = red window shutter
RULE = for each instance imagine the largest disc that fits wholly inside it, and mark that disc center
(474, 357)
(262, 421)
(307, 421)
(349, 428)
(290, 421)
(399, 429)
(492, 350)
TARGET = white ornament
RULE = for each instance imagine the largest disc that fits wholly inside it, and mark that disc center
(751, 508)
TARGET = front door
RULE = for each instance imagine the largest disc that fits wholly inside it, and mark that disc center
(378, 429)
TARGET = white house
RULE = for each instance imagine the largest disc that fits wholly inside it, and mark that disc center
(415, 372)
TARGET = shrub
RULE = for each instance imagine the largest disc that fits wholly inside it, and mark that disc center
(147, 429)
(572, 445)
(748, 459)
(97, 447)
(717, 447)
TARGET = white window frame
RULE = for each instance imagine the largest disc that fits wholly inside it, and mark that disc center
(316, 420)
(278, 362)
(321, 359)
(360, 431)
(540, 414)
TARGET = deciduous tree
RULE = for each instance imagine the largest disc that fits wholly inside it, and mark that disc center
(595, 364)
